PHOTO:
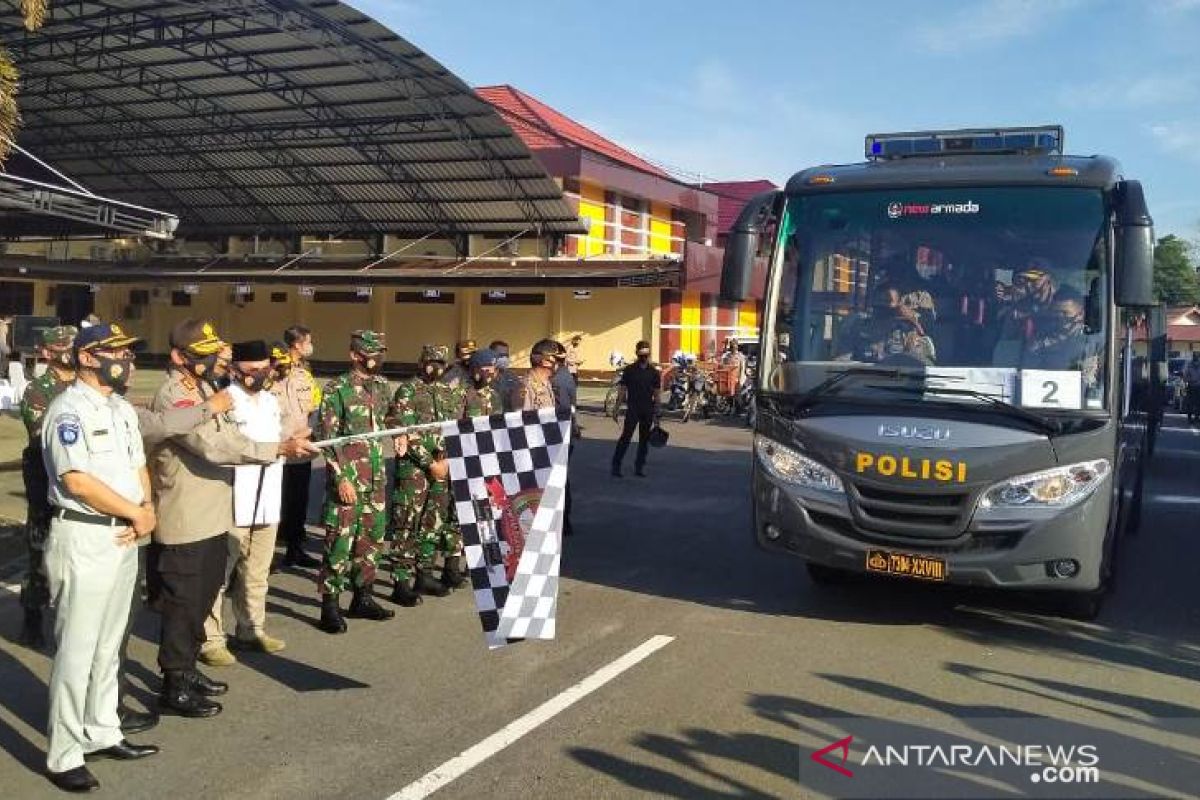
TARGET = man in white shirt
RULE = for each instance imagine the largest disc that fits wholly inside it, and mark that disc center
(256, 502)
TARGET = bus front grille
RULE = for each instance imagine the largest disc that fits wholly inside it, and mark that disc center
(919, 515)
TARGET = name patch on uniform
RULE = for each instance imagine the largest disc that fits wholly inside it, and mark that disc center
(68, 429)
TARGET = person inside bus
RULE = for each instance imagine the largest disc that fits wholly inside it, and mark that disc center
(1061, 340)
(889, 328)
(1019, 305)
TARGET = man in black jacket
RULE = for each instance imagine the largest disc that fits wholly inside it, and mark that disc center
(640, 385)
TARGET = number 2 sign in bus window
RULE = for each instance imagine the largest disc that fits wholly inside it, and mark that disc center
(1042, 388)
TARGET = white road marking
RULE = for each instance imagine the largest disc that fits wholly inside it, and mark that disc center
(477, 754)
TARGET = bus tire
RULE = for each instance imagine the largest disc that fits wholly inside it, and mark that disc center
(822, 575)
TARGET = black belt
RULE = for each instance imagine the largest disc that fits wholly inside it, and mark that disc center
(68, 515)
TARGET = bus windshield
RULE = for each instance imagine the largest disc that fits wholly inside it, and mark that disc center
(997, 291)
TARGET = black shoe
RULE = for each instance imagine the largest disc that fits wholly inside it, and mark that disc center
(295, 557)
(33, 633)
(452, 576)
(331, 615)
(640, 472)
(178, 697)
(616, 472)
(363, 606)
(76, 780)
(426, 584)
(135, 721)
(206, 686)
(404, 595)
(124, 751)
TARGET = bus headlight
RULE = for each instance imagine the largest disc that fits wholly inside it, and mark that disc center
(788, 465)
(1053, 488)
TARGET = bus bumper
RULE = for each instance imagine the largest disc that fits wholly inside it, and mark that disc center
(1015, 552)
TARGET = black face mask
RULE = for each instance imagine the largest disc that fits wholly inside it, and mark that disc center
(643, 357)
(369, 364)
(114, 372)
(64, 360)
(210, 369)
(254, 382)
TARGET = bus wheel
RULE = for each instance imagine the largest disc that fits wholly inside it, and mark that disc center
(827, 576)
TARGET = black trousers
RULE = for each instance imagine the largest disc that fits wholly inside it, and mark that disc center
(641, 420)
(186, 580)
(135, 609)
(294, 513)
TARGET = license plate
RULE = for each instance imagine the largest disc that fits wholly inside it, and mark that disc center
(906, 565)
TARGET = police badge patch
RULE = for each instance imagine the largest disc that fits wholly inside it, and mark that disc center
(68, 429)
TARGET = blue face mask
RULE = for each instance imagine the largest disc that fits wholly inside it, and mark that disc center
(502, 362)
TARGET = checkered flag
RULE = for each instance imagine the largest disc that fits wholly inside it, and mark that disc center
(508, 474)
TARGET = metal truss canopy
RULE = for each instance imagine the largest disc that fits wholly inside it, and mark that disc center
(274, 117)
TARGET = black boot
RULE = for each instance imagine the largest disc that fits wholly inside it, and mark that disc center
(404, 595)
(206, 686)
(331, 615)
(32, 631)
(452, 576)
(364, 606)
(178, 697)
(426, 584)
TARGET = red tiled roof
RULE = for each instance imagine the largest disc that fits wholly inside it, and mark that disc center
(541, 127)
(732, 196)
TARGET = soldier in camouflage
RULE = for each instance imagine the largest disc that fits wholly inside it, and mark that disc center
(420, 525)
(459, 374)
(356, 484)
(60, 373)
(480, 398)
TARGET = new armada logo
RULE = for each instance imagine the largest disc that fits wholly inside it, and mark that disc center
(927, 433)
(896, 210)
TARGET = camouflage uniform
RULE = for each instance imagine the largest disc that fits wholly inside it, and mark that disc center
(35, 591)
(420, 522)
(459, 374)
(354, 533)
(481, 402)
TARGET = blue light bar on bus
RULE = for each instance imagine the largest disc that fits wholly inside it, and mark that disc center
(1046, 139)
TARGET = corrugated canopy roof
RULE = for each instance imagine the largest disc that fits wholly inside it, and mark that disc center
(274, 117)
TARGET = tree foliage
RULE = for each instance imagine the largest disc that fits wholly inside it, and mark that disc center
(34, 14)
(1175, 280)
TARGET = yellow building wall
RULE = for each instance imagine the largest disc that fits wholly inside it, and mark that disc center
(610, 319)
(660, 228)
(591, 205)
(689, 319)
(747, 319)
(410, 325)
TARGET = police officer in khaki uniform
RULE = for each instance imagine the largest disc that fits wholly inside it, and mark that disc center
(100, 492)
(537, 391)
(194, 493)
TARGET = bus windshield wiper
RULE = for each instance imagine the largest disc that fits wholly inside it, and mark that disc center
(812, 396)
(1044, 424)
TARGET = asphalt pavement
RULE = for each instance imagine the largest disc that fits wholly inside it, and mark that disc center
(756, 668)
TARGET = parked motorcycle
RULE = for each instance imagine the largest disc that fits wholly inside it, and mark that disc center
(700, 395)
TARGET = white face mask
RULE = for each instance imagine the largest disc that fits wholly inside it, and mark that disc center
(307, 350)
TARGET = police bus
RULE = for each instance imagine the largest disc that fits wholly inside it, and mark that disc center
(947, 389)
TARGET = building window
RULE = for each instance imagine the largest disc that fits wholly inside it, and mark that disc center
(278, 297)
(181, 299)
(499, 298)
(429, 296)
(16, 298)
(333, 296)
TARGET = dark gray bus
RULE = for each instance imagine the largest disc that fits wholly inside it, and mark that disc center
(946, 387)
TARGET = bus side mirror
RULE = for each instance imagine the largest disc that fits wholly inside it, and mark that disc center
(741, 247)
(1134, 233)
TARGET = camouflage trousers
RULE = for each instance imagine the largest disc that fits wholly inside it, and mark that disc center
(35, 588)
(354, 534)
(422, 523)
